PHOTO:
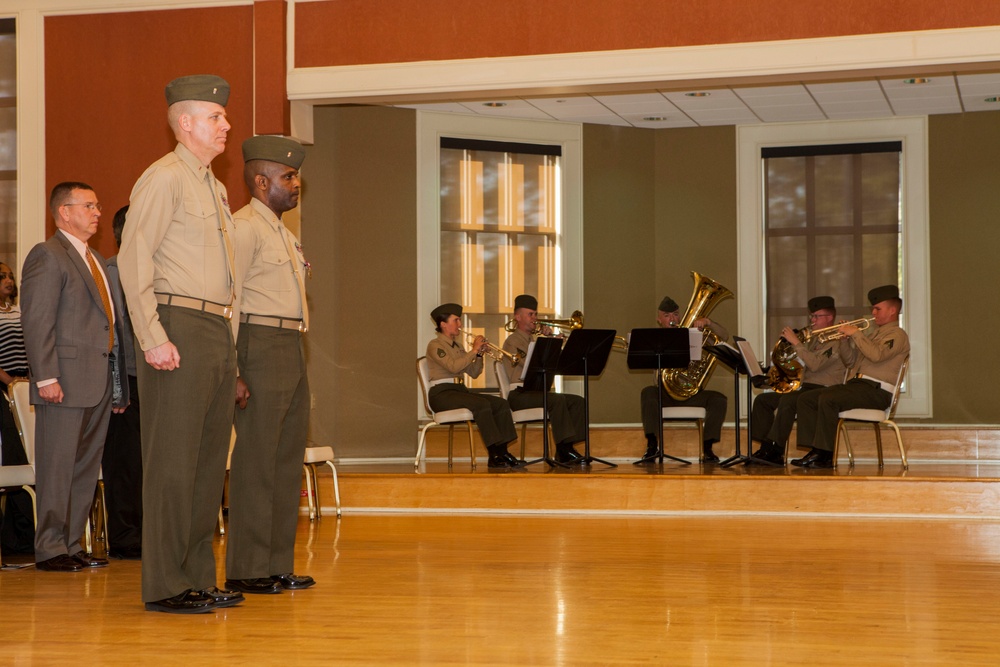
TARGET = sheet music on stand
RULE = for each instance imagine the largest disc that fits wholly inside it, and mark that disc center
(754, 367)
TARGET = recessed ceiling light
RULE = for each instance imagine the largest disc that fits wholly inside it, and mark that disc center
(654, 119)
(494, 104)
(699, 94)
(917, 80)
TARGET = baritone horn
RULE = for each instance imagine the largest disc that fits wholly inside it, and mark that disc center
(496, 353)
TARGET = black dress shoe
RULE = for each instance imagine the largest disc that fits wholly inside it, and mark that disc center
(802, 463)
(652, 451)
(567, 455)
(513, 461)
(261, 585)
(131, 552)
(60, 563)
(498, 462)
(293, 582)
(88, 561)
(708, 456)
(188, 602)
(823, 460)
(768, 454)
(223, 598)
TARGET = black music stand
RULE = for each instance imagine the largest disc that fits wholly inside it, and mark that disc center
(586, 353)
(539, 371)
(736, 361)
(659, 349)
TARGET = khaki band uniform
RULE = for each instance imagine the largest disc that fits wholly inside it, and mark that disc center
(567, 413)
(774, 414)
(174, 244)
(448, 360)
(266, 468)
(714, 403)
(879, 359)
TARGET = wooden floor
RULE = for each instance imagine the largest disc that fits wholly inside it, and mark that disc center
(532, 590)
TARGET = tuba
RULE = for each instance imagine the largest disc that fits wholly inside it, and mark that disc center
(683, 383)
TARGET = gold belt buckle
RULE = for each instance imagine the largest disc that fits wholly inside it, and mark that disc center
(227, 312)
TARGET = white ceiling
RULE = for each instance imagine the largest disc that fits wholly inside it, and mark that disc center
(736, 105)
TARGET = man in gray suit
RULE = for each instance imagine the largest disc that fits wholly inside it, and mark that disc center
(70, 335)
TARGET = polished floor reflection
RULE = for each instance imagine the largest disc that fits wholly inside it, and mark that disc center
(502, 590)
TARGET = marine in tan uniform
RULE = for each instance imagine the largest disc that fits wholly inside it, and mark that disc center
(874, 363)
(447, 363)
(272, 390)
(176, 271)
(714, 402)
(773, 413)
(566, 411)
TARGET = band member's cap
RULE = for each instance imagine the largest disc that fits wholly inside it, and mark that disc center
(883, 293)
(821, 303)
(200, 87)
(442, 312)
(274, 149)
(668, 305)
(525, 301)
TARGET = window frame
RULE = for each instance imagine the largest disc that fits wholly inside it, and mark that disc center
(431, 126)
(916, 401)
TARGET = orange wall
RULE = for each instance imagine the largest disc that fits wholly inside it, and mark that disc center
(350, 32)
(105, 114)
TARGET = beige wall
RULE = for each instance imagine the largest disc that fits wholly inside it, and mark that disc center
(359, 233)
(657, 205)
(964, 252)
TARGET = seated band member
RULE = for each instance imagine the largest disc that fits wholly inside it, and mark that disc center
(774, 413)
(566, 411)
(447, 362)
(874, 362)
(668, 315)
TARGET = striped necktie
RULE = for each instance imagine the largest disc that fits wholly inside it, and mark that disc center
(105, 299)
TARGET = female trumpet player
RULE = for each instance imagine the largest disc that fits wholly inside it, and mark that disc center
(447, 362)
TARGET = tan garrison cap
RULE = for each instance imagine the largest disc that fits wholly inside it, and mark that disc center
(201, 87)
(274, 149)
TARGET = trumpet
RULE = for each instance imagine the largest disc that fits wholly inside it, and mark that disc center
(496, 353)
(827, 334)
(575, 321)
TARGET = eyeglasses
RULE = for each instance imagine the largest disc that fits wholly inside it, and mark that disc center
(90, 206)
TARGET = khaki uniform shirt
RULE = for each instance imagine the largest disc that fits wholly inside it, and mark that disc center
(448, 359)
(823, 364)
(879, 356)
(516, 343)
(266, 276)
(172, 242)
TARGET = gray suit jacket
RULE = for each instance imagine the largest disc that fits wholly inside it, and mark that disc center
(65, 326)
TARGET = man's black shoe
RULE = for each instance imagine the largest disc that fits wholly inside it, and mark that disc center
(188, 602)
(293, 582)
(567, 455)
(708, 456)
(801, 463)
(823, 460)
(223, 598)
(131, 552)
(768, 454)
(513, 461)
(497, 462)
(60, 563)
(260, 585)
(652, 450)
(87, 561)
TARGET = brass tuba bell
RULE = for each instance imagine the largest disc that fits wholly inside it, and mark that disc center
(683, 383)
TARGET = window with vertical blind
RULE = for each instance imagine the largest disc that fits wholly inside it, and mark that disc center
(500, 231)
(8, 143)
(832, 225)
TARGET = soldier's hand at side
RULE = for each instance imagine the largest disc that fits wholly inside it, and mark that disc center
(163, 357)
(242, 393)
